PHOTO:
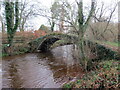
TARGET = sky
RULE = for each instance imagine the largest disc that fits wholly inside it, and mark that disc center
(48, 3)
(37, 21)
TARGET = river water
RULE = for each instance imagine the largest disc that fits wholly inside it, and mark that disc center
(40, 70)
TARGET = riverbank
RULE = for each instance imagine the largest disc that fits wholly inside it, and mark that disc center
(105, 75)
(15, 49)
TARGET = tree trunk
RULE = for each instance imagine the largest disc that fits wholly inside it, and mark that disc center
(52, 26)
(82, 29)
(12, 24)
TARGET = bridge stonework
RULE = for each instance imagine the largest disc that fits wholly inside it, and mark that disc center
(44, 43)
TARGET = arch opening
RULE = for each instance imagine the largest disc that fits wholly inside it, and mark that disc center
(45, 46)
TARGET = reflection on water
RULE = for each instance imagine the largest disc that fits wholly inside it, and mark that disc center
(40, 70)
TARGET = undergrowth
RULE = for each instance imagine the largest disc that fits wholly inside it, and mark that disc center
(105, 76)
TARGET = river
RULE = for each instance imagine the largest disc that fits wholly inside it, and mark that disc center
(40, 70)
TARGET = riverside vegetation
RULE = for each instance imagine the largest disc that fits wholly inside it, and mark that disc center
(104, 75)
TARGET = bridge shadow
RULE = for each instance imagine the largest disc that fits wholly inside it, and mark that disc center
(44, 47)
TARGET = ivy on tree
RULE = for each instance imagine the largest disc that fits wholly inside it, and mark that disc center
(12, 19)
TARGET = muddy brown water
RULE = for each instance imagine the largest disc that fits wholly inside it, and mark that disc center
(40, 70)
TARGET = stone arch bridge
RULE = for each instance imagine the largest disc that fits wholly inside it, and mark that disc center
(44, 43)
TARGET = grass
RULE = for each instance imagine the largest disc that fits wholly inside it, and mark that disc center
(105, 76)
(113, 43)
(59, 43)
(116, 44)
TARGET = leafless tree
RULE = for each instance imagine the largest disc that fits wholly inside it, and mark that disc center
(28, 11)
(1, 19)
(100, 18)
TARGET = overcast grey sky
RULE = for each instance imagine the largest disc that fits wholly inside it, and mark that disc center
(37, 21)
(48, 3)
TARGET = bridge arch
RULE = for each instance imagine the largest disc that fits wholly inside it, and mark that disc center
(44, 43)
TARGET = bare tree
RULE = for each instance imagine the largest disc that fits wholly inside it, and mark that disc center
(101, 22)
(28, 10)
(1, 19)
(2, 23)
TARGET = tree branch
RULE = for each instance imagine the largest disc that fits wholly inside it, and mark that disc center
(109, 20)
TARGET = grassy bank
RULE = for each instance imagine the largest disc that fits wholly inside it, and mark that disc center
(15, 49)
(113, 43)
(104, 76)
(60, 43)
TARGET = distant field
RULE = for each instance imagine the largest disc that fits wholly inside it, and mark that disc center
(116, 44)
(113, 43)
